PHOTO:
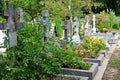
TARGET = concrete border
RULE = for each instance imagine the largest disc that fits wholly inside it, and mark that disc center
(113, 41)
(99, 60)
(75, 77)
(105, 52)
(79, 72)
(103, 67)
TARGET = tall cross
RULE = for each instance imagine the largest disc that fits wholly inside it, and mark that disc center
(12, 26)
(44, 22)
(67, 29)
(94, 28)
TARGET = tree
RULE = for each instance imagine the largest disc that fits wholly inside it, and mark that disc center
(31, 7)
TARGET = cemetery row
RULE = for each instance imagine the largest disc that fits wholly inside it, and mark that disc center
(32, 52)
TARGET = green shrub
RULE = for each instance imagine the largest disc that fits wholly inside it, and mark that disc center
(34, 59)
(93, 44)
(28, 60)
(106, 20)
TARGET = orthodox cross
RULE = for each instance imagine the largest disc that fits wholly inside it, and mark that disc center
(11, 26)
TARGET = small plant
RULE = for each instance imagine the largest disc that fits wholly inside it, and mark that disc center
(70, 60)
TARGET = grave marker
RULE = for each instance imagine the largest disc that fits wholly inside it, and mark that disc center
(88, 27)
(94, 20)
(44, 21)
(76, 37)
(67, 29)
(11, 26)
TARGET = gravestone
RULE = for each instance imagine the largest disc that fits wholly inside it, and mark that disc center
(88, 27)
(94, 28)
(45, 23)
(11, 26)
(67, 29)
(76, 37)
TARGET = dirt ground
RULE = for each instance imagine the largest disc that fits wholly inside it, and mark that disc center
(113, 69)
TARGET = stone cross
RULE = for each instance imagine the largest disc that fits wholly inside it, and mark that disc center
(11, 26)
(76, 25)
(44, 21)
(67, 29)
(76, 37)
(94, 28)
(88, 27)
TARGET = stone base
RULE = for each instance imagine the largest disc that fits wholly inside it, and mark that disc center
(72, 77)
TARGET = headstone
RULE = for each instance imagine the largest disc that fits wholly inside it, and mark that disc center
(67, 29)
(76, 37)
(88, 27)
(11, 26)
(94, 20)
(45, 23)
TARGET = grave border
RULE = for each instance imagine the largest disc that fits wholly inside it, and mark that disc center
(79, 72)
(99, 60)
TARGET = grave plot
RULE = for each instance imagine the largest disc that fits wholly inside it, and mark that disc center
(92, 47)
(79, 72)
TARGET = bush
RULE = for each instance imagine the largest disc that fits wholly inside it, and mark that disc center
(33, 59)
(93, 44)
(28, 60)
(106, 20)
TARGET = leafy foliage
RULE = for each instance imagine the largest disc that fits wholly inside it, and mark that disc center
(93, 44)
(34, 59)
(28, 60)
(106, 20)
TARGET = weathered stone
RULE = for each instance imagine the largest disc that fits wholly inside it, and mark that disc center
(11, 26)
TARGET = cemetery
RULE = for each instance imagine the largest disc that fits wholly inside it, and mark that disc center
(59, 40)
